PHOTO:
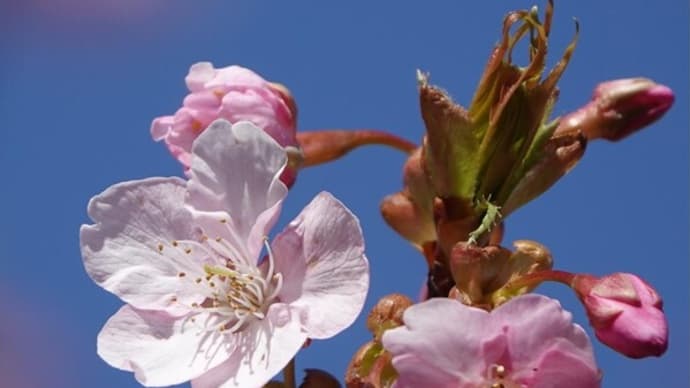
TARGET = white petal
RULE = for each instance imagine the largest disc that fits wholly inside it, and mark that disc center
(122, 250)
(325, 272)
(266, 348)
(235, 169)
(159, 348)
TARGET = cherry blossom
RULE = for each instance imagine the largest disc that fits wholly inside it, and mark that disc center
(202, 303)
(530, 341)
(233, 93)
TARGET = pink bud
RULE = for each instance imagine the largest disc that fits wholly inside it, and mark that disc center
(625, 312)
(235, 94)
(619, 108)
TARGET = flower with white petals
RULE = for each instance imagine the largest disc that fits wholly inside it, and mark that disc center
(202, 304)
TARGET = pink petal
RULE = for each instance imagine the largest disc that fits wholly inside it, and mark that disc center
(159, 348)
(561, 366)
(161, 126)
(269, 345)
(235, 169)
(236, 76)
(128, 250)
(530, 319)
(446, 334)
(420, 372)
(325, 272)
(199, 74)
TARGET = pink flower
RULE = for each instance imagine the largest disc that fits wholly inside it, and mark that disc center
(235, 94)
(185, 256)
(528, 342)
(625, 312)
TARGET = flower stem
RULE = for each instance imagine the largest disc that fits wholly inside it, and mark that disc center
(289, 375)
(536, 278)
(327, 145)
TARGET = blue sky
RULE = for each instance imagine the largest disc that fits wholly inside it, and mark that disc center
(80, 84)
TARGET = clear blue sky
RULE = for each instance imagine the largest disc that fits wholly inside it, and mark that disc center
(80, 84)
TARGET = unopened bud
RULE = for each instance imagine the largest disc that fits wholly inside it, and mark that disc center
(625, 312)
(370, 367)
(387, 314)
(409, 212)
(619, 108)
(235, 94)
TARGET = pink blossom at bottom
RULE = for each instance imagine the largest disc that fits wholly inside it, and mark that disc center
(202, 305)
(528, 342)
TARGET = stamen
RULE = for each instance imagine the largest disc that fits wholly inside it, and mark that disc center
(279, 285)
(237, 291)
(269, 274)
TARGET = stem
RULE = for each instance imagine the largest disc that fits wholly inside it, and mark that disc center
(289, 374)
(536, 278)
(327, 145)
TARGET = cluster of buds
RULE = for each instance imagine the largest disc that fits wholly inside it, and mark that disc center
(478, 165)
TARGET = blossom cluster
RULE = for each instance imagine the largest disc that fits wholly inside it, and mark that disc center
(208, 299)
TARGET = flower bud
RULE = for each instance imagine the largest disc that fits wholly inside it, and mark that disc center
(409, 212)
(236, 94)
(370, 367)
(477, 157)
(619, 108)
(387, 313)
(625, 312)
(484, 276)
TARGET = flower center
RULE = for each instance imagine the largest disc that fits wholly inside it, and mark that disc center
(237, 291)
(498, 378)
